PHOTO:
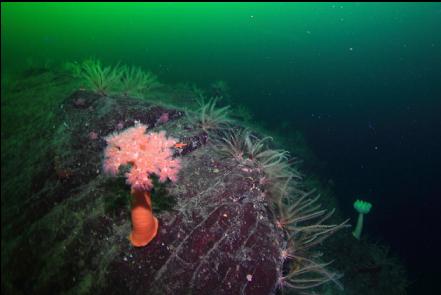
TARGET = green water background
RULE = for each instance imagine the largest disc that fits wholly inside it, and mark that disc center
(360, 80)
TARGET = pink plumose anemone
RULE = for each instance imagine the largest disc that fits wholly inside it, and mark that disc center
(147, 153)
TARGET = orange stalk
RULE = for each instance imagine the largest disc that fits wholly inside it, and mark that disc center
(144, 224)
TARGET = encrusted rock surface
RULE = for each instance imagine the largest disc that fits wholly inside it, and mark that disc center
(218, 238)
(216, 235)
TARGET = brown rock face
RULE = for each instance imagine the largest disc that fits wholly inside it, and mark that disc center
(216, 237)
(220, 240)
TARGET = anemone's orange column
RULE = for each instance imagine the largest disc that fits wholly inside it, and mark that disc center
(144, 224)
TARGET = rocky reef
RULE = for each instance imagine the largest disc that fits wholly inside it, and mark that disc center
(219, 230)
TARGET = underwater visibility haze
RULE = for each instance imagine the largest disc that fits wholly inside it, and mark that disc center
(226, 148)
